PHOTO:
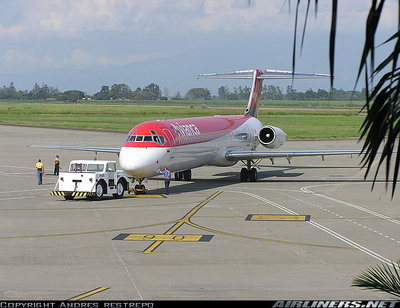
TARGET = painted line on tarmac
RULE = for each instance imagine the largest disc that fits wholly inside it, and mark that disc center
(19, 191)
(87, 294)
(144, 196)
(326, 230)
(18, 167)
(277, 217)
(308, 191)
(85, 232)
(184, 220)
(261, 239)
(164, 237)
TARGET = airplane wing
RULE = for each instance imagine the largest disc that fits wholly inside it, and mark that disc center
(77, 148)
(249, 155)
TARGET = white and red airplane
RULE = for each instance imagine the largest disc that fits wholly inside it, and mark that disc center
(185, 144)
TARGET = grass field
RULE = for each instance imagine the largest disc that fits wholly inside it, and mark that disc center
(300, 123)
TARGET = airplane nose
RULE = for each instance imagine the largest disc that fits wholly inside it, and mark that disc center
(140, 162)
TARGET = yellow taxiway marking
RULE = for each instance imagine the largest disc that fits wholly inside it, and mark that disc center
(184, 220)
(165, 237)
(87, 294)
(144, 196)
(266, 239)
(273, 217)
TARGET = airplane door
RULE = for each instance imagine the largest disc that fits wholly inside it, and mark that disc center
(170, 138)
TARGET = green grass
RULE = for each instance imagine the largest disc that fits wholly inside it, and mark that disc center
(298, 123)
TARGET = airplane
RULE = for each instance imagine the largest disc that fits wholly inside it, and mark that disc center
(188, 143)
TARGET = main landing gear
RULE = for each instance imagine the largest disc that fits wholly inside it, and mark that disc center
(249, 173)
(183, 175)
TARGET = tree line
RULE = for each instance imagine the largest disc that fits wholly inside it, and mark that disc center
(153, 92)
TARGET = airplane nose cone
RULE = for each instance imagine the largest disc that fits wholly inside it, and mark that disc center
(140, 162)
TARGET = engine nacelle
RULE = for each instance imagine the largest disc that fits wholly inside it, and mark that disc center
(271, 137)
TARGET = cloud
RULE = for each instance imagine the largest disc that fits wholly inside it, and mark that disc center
(83, 58)
(83, 33)
(73, 19)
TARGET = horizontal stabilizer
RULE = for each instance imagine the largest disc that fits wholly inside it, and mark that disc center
(266, 74)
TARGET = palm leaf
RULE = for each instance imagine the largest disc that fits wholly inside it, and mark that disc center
(382, 277)
(381, 127)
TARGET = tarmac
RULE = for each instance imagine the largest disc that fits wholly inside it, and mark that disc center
(304, 230)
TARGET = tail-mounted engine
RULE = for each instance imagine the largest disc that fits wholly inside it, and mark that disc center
(271, 137)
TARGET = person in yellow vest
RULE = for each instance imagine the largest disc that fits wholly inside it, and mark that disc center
(40, 171)
(57, 165)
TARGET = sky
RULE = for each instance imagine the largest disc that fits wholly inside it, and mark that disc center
(85, 44)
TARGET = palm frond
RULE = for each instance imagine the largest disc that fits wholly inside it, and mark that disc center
(381, 127)
(382, 277)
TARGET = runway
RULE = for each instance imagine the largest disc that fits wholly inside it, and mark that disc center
(201, 242)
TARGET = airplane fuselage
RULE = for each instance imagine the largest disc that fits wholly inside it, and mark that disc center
(184, 144)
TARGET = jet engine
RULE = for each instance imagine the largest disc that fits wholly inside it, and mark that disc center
(271, 137)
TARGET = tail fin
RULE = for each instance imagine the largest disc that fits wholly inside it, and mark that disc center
(258, 76)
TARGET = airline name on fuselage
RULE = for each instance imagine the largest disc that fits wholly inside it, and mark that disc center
(186, 129)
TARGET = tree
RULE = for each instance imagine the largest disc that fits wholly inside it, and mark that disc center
(198, 93)
(153, 91)
(223, 92)
(120, 91)
(73, 95)
(272, 92)
(104, 93)
(381, 277)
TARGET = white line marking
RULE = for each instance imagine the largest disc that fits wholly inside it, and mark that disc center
(307, 191)
(325, 229)
(333, 213)
(26, 190)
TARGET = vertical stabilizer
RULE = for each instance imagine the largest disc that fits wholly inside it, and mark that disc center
(255, 95)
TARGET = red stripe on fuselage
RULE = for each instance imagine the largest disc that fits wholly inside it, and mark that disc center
(179, 132)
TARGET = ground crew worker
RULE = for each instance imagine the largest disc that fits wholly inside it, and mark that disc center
(167, 179)
(40, 171)
(57, 165)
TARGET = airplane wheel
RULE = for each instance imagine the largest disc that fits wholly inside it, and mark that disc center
(253, 175)
(178, 176)
(244, 175)
(140, 189)
(187, 175)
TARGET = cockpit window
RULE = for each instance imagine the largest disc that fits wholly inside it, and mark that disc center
(154, 138)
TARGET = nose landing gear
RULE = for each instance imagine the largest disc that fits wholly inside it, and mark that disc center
(139, 189)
